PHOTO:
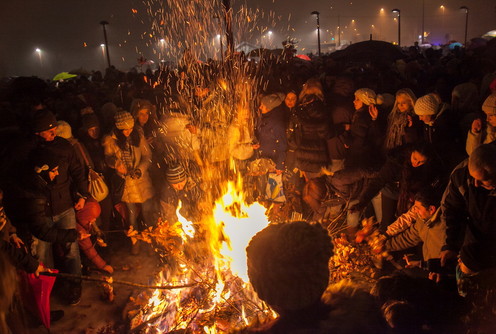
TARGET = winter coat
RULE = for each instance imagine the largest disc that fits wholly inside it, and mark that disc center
(72, 176)
(474, 140)
(96, 155)
(401, 181)
(136, 190)
(28, 206)
(342, 110)
(431, 232)
(310, 131)
(189, 197)
(348, 183)
(469, 213)
(441, 134)
(178, 141)
(364, 140)
(271, 134)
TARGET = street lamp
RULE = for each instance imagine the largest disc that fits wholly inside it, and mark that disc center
(396, 10)
(318, 28)
(465, 8)
(104, 23)
(38, 51)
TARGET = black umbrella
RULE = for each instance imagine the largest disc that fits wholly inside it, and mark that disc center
(369, 51)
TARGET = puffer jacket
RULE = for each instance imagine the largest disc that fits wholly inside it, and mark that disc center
(135, 190)
(310, 131)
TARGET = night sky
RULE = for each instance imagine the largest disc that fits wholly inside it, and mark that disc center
(69, 35)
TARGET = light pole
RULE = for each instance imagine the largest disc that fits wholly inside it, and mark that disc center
(104, 23)
(316, 13)
(396, 10)
(465, 8)
(423, 21)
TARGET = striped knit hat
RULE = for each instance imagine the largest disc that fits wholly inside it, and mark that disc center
(175, 174)
(123, 120)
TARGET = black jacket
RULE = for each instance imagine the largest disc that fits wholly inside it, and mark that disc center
(27, 204)
(470, 216)
(71, 179)
(310, 131)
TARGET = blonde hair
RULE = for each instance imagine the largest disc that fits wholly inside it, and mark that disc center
(409, 94)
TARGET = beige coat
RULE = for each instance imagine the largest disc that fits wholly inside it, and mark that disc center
(135, 190)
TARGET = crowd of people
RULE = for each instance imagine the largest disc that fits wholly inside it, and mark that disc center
(409, 143)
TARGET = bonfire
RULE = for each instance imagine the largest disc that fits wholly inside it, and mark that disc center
(210, 256)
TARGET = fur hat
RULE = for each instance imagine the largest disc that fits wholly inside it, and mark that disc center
(366, 95)
(426, 105)
(123, 120)
(272, 101)
(64, 130)
(89, 212)
(175, 174)
(43, 120)
(489, 105)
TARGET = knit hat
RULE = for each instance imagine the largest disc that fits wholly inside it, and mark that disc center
(288, 264)
(272, 101)
(175, 174)
(366, 95)
(489, 105)
(64, 130)
(43, 120)
(426, 105)
(89, 212)
(89, 121)
(123, 120)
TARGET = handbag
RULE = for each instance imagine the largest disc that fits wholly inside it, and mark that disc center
(97, 187)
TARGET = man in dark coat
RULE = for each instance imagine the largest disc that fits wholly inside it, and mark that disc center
(66, 194)
(27, 204)
(469, 211)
